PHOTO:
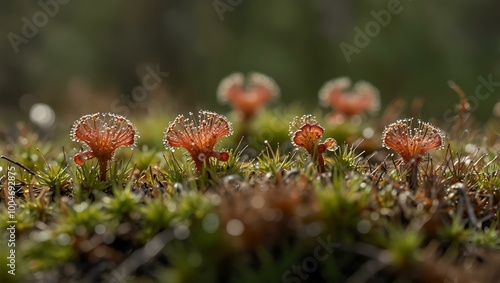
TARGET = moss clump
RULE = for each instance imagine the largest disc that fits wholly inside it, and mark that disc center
(265, 214)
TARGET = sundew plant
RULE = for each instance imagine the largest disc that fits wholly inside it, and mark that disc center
(351, 192)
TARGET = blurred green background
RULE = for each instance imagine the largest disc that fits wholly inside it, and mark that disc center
(81, 57)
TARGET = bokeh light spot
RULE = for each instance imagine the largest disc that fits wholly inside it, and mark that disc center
(210, 223)
(235, 227)
(42, 115)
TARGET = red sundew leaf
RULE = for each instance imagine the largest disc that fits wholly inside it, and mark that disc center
(199, 136)
(81, 157)
(259, 90)
(230, 87)
(363, 97)
(180, 134)
(306, 133)
(328, 144)
(307, 136)
(332, 91)
(412, 143)
(102, 134)
(368, 95)
(223, 156)
(123, 134)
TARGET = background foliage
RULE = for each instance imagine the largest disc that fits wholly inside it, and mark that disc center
(90, 52)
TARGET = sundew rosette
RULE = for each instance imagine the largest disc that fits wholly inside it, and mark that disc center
(101, 135)
(347, 100)
(411, 142)
(198, 136)
(247, 95)
(305, 133)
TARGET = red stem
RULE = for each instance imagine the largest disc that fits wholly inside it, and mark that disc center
(103, 168)
(321, 163)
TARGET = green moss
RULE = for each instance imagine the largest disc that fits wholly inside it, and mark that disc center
(255, 216)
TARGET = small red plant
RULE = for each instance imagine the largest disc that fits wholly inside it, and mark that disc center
(306, 132)
(412, 143)
(346, 102)
(248, 97)
(198, 137)
(102, 134)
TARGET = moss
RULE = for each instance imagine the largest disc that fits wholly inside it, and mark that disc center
(265, 214)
